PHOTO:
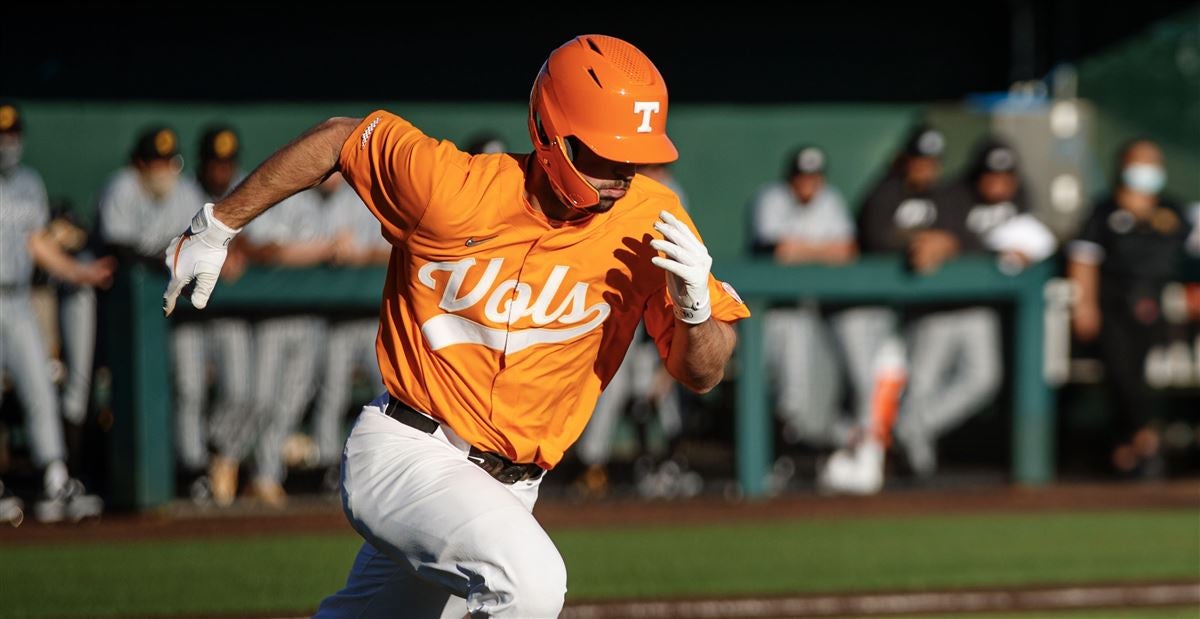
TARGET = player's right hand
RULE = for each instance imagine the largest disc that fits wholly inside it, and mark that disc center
(197, 255)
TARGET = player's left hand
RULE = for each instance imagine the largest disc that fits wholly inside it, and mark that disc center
(687, 264)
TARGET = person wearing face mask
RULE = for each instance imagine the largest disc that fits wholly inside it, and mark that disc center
(25, 241)
(1127, 250)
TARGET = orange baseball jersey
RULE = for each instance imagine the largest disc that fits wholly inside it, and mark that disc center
(494, 320)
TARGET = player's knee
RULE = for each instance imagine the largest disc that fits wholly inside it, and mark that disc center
(537, 584)
(543, 594)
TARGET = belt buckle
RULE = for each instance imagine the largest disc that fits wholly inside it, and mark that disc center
(511, 474)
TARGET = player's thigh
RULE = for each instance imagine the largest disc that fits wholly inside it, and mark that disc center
(189, 354)
(25, 357)
(422, 502)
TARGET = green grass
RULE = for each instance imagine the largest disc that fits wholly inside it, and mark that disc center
(881, 553)
(294, 573)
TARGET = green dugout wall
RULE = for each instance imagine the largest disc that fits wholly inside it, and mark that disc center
(726, 151)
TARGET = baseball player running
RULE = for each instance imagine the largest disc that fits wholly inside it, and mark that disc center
(515, 286)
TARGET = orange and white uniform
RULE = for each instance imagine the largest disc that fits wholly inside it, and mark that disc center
(501, 325)
(495, 321)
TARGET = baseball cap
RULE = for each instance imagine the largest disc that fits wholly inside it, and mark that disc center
(999, 158)
(220, 143)
(925, 142)
(156, 142)
(807, 160)
(10, 118)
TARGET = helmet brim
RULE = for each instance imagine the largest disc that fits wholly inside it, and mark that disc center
(636, 149)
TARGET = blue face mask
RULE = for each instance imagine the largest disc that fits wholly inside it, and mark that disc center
(1144, 178)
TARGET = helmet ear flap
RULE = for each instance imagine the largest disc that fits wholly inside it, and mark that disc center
(539, 130)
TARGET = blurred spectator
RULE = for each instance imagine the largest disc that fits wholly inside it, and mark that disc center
(289, 348)
(222, 342)
(25, 241)
(76, 321)
(953, 366)
(146, 203)
(898, 209)
(1128, 249)
(351, 345)
(141, 209)
(902, 202)
(955, 352)
(803, 220)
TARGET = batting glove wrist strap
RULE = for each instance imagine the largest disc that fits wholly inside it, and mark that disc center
(687, 264)
(209, 230)
(197, 256)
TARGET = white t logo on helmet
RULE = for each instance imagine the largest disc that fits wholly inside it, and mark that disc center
(645, 108)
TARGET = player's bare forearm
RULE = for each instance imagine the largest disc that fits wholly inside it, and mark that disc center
(51, 258)
(302, 164)
(699, 353)
(302, 254)
(802, 252)
(1086, 277)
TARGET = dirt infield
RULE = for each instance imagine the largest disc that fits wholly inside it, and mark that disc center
(900, 603)
(324, 515)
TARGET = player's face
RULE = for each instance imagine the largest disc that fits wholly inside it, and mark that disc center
(217, 174)
(922, 172)
(610, 178)
(806, 186)
(1145, 153)
(10, 149)
(995, 187)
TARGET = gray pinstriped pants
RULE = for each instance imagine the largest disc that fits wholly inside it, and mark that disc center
(227, 343)
(24, 359)
(288, 354)
(805, 373)
(955, 367)
(351, 346)
(77, 320)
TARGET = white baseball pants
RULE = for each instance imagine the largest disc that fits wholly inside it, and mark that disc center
(443, 538)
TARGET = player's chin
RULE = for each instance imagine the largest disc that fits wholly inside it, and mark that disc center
(605, 205)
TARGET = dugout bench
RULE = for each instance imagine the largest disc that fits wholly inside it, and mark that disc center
(136, 347)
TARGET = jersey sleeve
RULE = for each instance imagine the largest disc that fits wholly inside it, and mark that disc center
(1089, 245)
(118, 222)
(877, 231)
(841, 226)
(396, 170)
(770, 217)
(659, 315)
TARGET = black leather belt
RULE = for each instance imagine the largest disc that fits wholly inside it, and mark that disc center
(504, 470)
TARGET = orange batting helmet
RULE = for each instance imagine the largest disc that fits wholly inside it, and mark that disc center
(607, 94)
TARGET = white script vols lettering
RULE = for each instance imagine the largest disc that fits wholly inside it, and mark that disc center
(506, 303)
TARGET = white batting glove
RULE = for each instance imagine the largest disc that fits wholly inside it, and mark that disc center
(197, 255)
(687, 264)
